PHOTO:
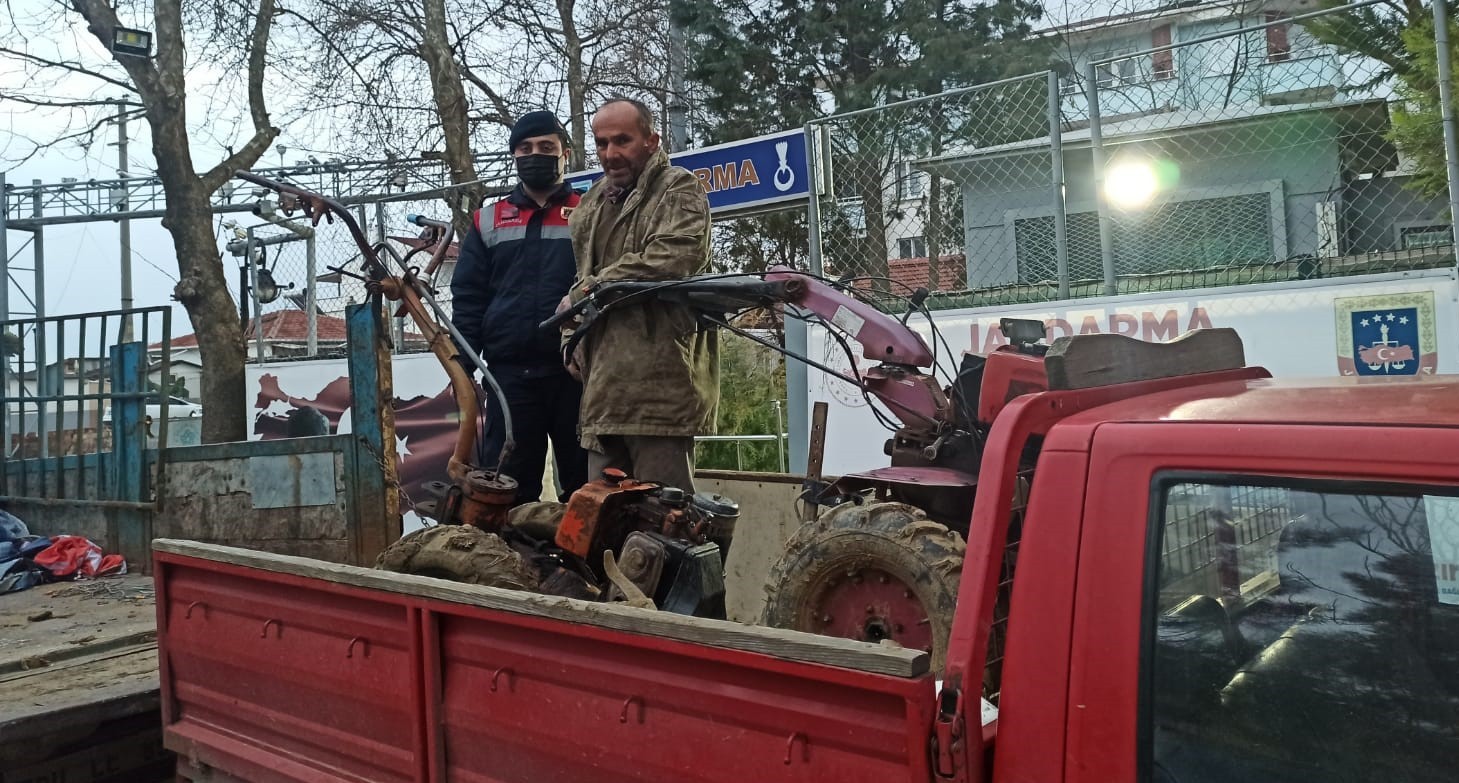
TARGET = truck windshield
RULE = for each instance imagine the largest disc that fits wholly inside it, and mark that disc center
(1301, 635)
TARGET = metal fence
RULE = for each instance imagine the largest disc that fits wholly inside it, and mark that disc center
(83, 395)
(1248, 152)
(300, 279)
(902, 198)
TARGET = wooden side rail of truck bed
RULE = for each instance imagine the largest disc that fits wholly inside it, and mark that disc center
(279, 668)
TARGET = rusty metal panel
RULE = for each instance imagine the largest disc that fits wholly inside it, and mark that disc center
(292, 480)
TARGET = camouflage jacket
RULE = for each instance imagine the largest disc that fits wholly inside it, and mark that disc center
(647, 369)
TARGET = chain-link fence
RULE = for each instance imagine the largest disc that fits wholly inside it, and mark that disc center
(1258, 148)
(915, 193)
(290, 261)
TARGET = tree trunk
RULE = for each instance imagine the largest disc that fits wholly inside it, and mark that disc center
(577, 88)
(201, 287)
(869, 180)
(451, 107)
(204, 293)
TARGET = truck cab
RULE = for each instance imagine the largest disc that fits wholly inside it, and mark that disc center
(1238, 579)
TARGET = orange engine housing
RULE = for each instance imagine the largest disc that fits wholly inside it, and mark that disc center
(597, 502)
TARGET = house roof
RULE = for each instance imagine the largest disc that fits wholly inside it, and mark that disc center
(290, 326)
(914, 273)
(1115, 20)
(909, 274)
(1207, 9)
(280, 326)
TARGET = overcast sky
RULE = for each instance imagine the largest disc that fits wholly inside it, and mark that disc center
(82, 261)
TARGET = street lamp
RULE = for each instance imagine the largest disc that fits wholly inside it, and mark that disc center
(255, 279)
(130, 42)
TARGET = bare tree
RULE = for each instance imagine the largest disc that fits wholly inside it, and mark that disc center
(159, 85)
(389, 51)
(597, 48)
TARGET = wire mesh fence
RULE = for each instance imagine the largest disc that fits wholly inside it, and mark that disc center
(1257, 148)
(290, 259)
(902, 200)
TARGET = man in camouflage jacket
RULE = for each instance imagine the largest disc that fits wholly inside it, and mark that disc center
(650, 376)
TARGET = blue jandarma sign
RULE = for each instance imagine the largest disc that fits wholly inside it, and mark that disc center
(741, 175)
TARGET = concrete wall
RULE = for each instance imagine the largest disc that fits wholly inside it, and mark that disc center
(228, 499)
(81, 478)
(304, 496)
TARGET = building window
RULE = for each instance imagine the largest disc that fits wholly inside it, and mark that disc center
(1278, 47)
(852, 214)
(1115, 72)
(1418, 237)
(912, 247)
(1288, 41)
(1226, 56)
(909, 182)
(1069, 81)
(1162, 62)
(1291, 626)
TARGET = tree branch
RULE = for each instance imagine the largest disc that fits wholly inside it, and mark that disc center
(328, 40)
(72, 67)
(60, 104)
(503, 112)
(263, 132)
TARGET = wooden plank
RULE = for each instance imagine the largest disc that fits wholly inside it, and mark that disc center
(212, 452)
(72, 655)
(68, 620)
(376, 512)
(749, 475)
(816, 458)
(114, 688)
(1089, 360)
(779, 643)
(142, 642)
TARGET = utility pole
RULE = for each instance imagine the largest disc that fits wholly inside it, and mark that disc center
(126, 225)
(677, 107)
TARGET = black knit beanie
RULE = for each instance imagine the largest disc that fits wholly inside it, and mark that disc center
(536, 123)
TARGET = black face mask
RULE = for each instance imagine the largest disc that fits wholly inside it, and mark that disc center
(539, 172)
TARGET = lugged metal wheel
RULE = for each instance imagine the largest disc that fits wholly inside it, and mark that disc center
(872, 572)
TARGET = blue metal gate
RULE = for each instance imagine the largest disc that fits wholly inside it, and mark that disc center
(76, 397)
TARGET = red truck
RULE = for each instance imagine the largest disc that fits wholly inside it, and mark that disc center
(1208, 576)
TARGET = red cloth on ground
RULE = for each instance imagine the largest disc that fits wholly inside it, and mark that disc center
(72, 556)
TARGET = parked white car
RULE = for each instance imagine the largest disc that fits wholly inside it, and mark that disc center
(177, 408)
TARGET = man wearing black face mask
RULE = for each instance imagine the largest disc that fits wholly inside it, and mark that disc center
(515, 264)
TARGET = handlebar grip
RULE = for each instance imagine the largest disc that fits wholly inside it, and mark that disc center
(413, 218)
(559, 318)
